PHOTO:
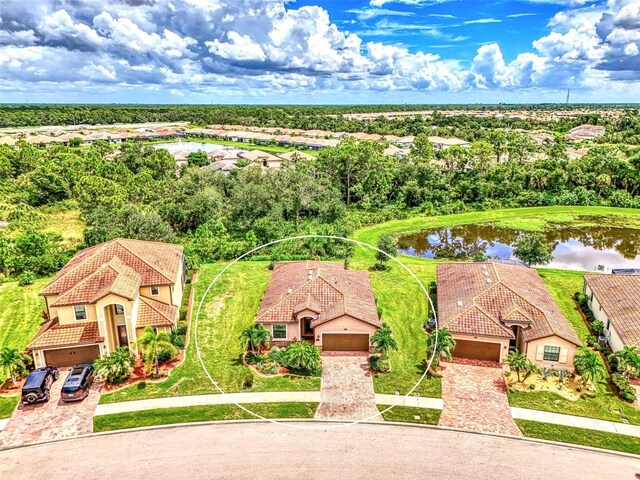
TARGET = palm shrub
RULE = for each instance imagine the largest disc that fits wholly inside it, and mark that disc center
(588, 365)
(443, 342)
(115, 367)
(14, 363)
(626, 361)
(383, 341)
(156, 346)
(519, 363)
(302, 356)
(256, 337)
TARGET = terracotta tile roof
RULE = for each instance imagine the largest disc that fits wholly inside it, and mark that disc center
(619, 296)
(156, 314)
(56, 335)
(156, 263)
(324, 287)
(114, 277)
(479, 298)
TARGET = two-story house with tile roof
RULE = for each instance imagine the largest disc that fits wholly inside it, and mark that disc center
(105, 296)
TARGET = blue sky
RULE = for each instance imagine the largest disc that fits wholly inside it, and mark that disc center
(319, 51)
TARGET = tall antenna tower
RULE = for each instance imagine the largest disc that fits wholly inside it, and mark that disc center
(568, 93)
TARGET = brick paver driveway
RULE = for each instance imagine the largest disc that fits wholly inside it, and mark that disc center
(53, 419)
(347, 388)
(475, 399)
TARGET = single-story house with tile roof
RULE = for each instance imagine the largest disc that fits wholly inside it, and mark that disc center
(493, 308)
(105, 296)
(322, 303)
(615, 301)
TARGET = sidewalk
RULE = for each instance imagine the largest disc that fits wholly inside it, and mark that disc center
(573, 421)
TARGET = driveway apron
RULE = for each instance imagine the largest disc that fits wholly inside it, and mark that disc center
(53, 419)
(475, 398)
(347, 388)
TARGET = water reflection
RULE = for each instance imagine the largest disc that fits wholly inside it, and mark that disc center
(576, 248)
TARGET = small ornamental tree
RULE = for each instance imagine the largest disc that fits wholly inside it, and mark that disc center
(115, 367)
(383, 341)
(302, 356)
(256, 337)
(588, 365)
(388, 244)
(14, 363)
(532, 250)
(156, 346)
(444, 344)
(519, 363)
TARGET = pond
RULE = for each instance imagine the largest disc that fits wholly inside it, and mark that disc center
(574, 248)
(194, 147)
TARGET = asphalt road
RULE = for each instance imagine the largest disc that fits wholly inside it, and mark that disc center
(258, 450)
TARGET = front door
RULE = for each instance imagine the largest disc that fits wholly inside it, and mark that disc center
(307, 331)
(123, 340)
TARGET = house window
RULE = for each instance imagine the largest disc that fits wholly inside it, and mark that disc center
(119, 309)
(280, 331)
(80, 311)
(155, 291)
(551, 353)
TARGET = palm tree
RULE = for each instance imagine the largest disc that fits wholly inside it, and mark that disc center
(444, 344)
(588, 364)
(156, 345)
(383, 341)
(627, 361)
(256, 336)
(115, 366)
(518, 362)
(302, 356)
(13, 362)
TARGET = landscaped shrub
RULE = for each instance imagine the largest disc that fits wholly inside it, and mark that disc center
(253, 358)
(597, 327)
(378, 364)
(267, 367)
(181, 328)
(276, 354)
(302, 358)
(248, 381)
(177, 340)
(583, 302)
(626, 391)
(183, 313)
(592, 341)
(27, 278)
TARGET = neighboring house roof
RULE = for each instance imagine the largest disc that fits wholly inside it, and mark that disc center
(486, 298)
(255, 155)
(55, 335)
(155, 314)
(323, 287)
(619, 296)
(156, 264)
(295, 154)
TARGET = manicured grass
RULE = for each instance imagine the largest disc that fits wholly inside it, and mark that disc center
(580, 436)
(20, 314)
(404, 307)
(425, 416)
(8, 405)
(230, 306)
(167, 416)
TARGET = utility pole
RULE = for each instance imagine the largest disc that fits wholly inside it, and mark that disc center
(568, 93)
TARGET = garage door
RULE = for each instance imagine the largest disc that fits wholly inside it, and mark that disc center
(345, 342)
(477, 350)
(68, 357)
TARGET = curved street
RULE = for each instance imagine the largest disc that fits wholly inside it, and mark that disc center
(264, 450)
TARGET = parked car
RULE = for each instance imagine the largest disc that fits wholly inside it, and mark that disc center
(76, 385)
(37, 386)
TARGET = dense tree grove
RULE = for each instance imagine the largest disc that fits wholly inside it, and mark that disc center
(138, 192)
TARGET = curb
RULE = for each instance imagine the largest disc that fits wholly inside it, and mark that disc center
(312, 420)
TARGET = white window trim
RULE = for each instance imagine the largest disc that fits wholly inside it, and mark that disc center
(286, 331)
(86, 313)
(151, 291)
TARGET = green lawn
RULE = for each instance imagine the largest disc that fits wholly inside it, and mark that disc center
(20, 314)
(580, 436)
(167, 416)
(8, 405)
(231, 306)
(425, 416)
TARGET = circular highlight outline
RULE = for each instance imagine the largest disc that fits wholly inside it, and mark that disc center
(339, 422)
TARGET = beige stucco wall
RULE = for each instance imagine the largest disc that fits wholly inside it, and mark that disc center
(164, 294)
(293, 332)
(535, 351)
(343, 324)
(609, 328)
(504, 342)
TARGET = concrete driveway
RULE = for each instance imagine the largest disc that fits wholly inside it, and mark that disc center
(256, 450)
(347, 388)
(51, 420)
(475, 398)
